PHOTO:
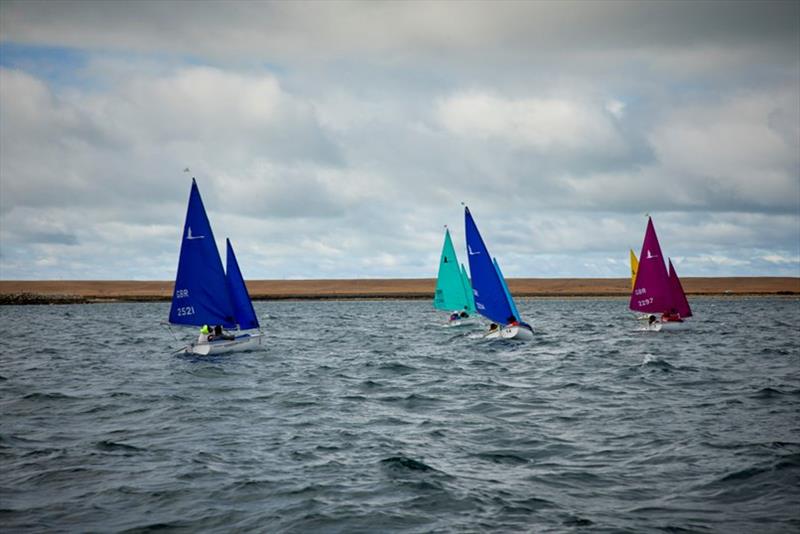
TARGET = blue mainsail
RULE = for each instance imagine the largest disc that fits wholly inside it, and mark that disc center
(201, 294)
(242, 305)
(487, 285)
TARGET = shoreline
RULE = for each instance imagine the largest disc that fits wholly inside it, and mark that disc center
(18, 292)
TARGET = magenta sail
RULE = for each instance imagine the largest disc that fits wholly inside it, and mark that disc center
(678, 297)
(651, 294)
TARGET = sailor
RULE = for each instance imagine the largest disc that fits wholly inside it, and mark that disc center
(204, 336)
(464, 315)
(454, 316)
(219, 334)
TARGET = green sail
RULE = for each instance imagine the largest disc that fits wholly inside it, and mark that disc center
(450, 294)
(467, 290)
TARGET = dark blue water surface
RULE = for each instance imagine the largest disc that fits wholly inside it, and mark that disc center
(370, 417)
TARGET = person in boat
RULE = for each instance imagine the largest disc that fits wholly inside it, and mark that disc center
(220, 334)
(651, 319)
(671, 316)
(493, 327)
(463, 315)
(454, 316)
(205, 334)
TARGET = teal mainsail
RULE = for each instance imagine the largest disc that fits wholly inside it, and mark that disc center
(453, 291)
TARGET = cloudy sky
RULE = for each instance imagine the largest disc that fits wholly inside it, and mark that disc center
(336, 139)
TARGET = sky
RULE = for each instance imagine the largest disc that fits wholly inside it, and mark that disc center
(337, 139)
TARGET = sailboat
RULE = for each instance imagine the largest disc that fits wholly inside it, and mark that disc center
(453, 289)
(657, 290)
(204, 294)
(492, 298)
(634, 268)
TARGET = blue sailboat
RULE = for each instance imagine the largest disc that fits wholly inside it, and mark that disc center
(492, 298)
(204, 294)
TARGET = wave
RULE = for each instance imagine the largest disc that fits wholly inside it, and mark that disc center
(37, 396)
(790, 461)
(404, 463)
(397, 368)
(773, 393)
(500, 457)
(654, 362)
(113, 446)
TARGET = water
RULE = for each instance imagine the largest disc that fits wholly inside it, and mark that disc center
(369, 417)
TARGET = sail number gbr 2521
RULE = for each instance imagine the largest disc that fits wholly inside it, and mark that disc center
(183, 311)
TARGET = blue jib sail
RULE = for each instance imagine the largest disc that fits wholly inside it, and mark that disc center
(242, 306)
(201, 293)
(514, 309)
(488, 288)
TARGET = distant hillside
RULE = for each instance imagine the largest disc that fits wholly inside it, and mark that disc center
(62, 291)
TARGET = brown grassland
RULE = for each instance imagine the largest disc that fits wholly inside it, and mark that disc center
(57, 291)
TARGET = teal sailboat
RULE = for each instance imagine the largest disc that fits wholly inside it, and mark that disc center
(453, 289)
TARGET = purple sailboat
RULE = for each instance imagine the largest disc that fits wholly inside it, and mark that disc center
(678, 297)
(656, 290)
(651, 293)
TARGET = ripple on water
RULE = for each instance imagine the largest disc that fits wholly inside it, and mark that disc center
(369, 428)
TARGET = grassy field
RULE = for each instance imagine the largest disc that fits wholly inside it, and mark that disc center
(55, 291)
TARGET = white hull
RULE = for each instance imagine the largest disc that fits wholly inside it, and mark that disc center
(461, 322)
(658, 326)
(519, 333)
(241, 343)
(673, 325)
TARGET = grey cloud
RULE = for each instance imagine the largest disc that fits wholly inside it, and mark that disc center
(335, 159)
(341, 28)
(156, 134)
(53, 238)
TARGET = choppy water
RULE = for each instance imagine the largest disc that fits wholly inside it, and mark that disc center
(369, 417)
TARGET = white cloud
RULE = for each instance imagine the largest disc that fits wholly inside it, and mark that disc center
(540, 123)
(735, 147)
(778, 259)
(616, 108)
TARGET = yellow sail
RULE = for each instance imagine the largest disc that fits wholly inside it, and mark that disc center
(634, 268)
